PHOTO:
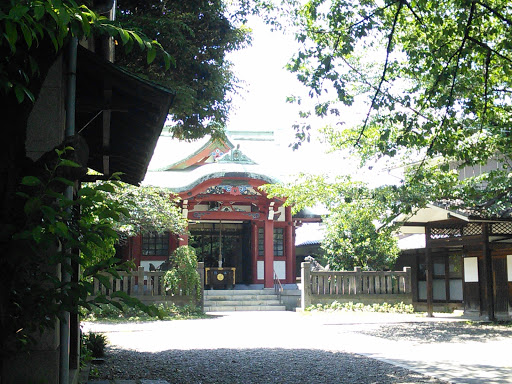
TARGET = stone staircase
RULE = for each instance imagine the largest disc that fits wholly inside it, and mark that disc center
(241, 300)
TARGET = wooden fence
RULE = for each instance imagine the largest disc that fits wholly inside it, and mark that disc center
(147, 286)
(367, 287)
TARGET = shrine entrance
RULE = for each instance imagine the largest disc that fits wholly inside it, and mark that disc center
(226, 245)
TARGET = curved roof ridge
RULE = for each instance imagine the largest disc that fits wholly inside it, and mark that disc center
(196, 153)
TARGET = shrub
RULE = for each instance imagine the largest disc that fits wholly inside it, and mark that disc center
(360, 307)
(182, 278)
(95, 343)
(110, 313)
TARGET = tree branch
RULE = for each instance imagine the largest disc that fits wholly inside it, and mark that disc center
(384, 71)
(495, 13)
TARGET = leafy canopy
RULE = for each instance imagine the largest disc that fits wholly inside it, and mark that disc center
(26, 26)
(199, 34)
(354, 235)
(434, 79)
(145, 209)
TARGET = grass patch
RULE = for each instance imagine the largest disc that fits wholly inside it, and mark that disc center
(112, 314)
(336, 306)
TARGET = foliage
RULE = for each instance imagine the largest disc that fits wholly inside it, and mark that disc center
(167, 311)
(26, 26)
(360, 307)
(182, 277)
(58, 231)
(148, 209)
(199, 33)
(95, 343)
(354, 233)
(434, 78)
(352, 240)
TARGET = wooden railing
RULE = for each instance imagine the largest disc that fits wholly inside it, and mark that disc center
(354, 285)
(148, 286)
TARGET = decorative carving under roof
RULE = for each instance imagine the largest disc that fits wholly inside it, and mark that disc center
(235, 156)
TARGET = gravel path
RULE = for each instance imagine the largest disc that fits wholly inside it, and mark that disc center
(278, 347)
(228, 366)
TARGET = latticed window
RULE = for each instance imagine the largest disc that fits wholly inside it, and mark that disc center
(155, 244)
(261, 242)
(278, 242)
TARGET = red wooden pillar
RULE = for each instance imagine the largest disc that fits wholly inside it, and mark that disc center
(294, 256)
(288, 248)
(269, 254)
(136, 249)
(182, 240)
(254, 251)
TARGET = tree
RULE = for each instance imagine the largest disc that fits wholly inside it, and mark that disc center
(147, 209)
(352, 239)
(41, 228)
(199, 34)
(435, 78)
(355, 234)
(34, 34)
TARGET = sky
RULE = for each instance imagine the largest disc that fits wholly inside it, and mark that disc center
(262, 106)
(262, 103)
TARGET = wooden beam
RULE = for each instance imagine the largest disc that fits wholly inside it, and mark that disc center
(107, 114)
(488, 275)
(430, 273)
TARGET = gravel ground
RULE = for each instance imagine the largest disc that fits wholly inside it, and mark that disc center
(280, 347)
(228, 366)
(457, 332)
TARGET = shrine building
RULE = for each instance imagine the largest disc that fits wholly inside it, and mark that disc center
(244, 237)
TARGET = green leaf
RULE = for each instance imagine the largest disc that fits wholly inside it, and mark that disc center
(31, 181)
(38, 11)
(49, 213)
(27, 34)
(61, 229)
(151, 54)
(138, 39)
(11, 33)
(64, 181)
(104, 280)
(106, 187)
(124, 35)
(20, 95)
(68, 163)
(37, 233)
(32, 205)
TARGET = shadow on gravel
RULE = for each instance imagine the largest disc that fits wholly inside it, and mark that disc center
(439, 332)
(254, 366)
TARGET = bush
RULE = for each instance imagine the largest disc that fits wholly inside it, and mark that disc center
(95, 343)
(108, 312)
(182, 278)
(360, 307)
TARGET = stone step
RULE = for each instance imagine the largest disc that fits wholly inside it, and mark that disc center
(241, 300)
(210, 303)
(239, 297)
(239, 292)
(245, 308)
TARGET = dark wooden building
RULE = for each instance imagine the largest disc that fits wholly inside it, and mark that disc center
(466, 261)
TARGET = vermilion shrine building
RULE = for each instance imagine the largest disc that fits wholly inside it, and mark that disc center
(235, 228)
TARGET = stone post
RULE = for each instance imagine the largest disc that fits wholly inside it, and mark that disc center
(140, 281)
(407, 280)
(306, 285)
(358, 280)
